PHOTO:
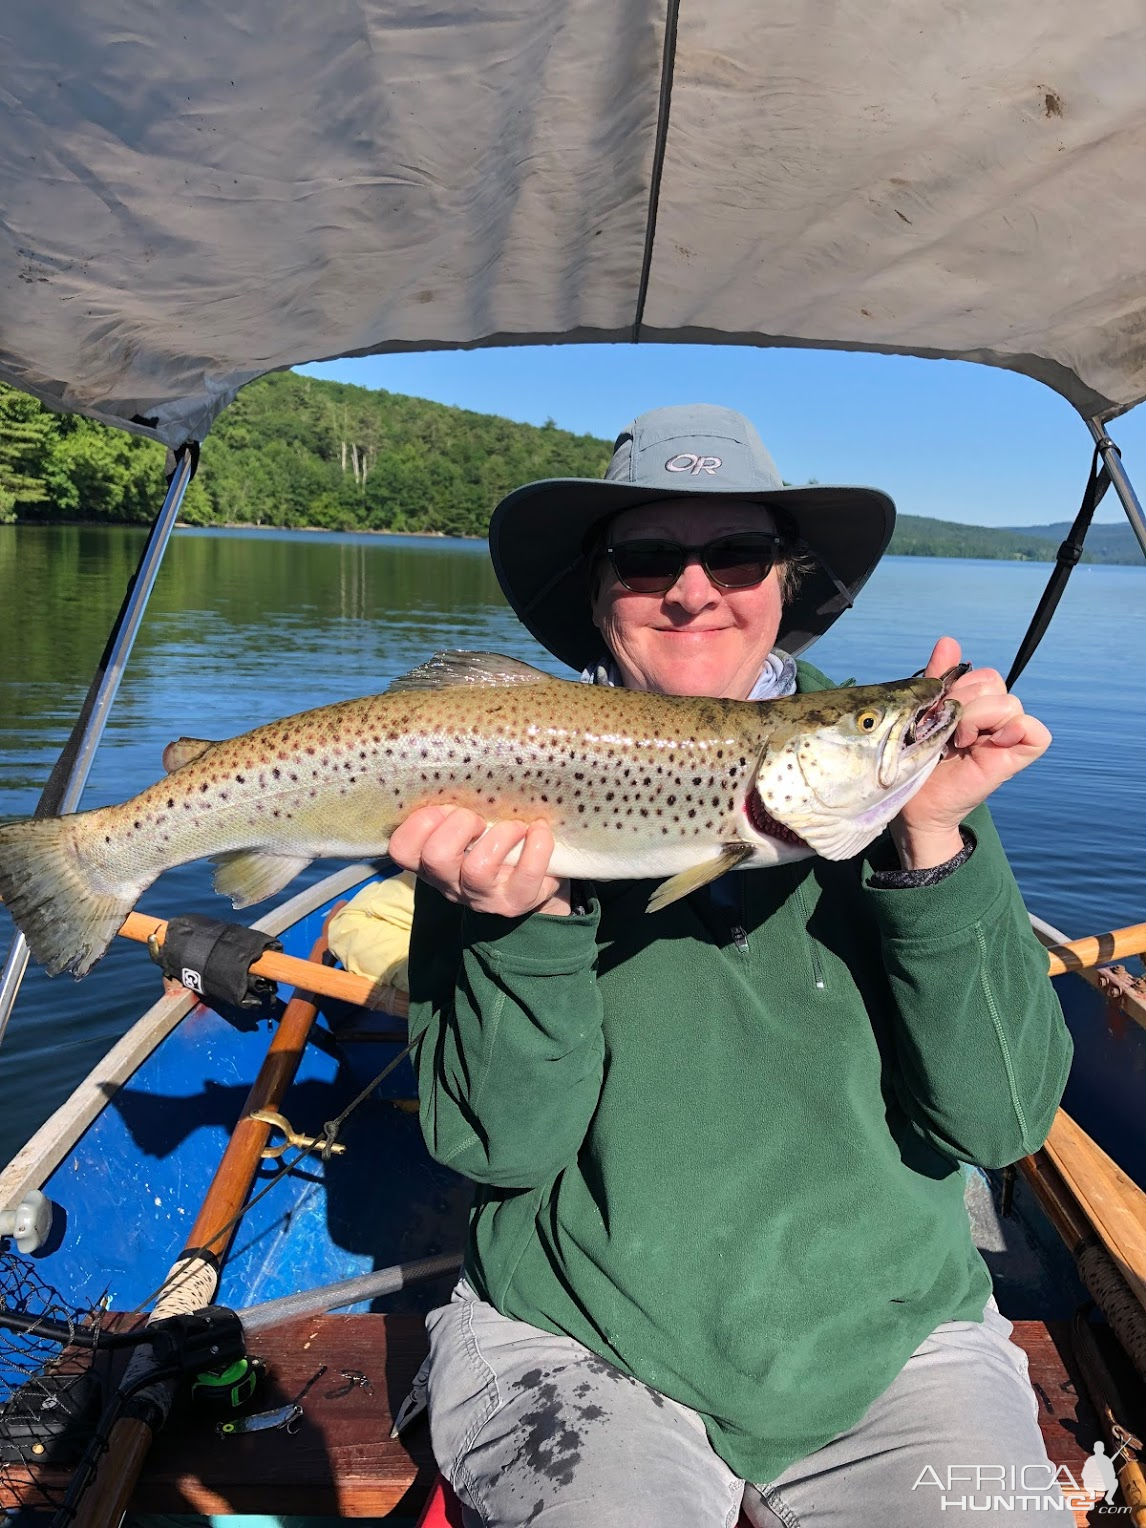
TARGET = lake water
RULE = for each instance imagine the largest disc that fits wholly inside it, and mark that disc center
(248, 626)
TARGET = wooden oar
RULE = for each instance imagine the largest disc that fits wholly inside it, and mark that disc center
(323, 981)
(194, 1277)
(1097, 949)
(1110, 1199)
(1074, 955)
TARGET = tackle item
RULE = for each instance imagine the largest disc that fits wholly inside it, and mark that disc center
(633, 785)
(226, 1389)
(287, 1416)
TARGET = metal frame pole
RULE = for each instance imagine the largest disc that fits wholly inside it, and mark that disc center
(99, 704)
(1122, 485)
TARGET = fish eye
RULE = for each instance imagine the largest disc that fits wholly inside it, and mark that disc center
(867, 721)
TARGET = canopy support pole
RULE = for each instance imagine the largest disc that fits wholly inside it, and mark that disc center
(1123, 487)
(69, 776)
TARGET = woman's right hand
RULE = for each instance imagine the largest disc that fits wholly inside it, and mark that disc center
(449, 848)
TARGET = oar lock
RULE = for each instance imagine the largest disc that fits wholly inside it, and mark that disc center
(290, 1135)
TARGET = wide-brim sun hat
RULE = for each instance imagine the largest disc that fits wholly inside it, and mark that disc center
(539, 533)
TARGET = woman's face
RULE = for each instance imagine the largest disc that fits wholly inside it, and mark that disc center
(695, 639)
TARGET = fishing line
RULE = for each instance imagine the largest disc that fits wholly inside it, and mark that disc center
(329, 1135)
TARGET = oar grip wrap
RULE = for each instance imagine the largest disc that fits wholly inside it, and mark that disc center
(213, 958)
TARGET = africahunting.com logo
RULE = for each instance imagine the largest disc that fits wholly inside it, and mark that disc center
(1024, 1487)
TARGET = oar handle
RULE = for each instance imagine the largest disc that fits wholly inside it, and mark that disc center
(1097, 949)
(323, 981)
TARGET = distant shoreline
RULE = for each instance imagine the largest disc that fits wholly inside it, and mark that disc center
(319, 530)
(970, 554)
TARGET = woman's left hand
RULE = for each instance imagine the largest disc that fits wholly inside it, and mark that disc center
(994, 740)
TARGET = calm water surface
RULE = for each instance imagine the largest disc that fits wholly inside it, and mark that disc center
(248, 626)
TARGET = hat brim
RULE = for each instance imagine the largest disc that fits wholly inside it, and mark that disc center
(538, 532)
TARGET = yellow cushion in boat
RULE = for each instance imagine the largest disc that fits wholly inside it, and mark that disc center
(371, 934)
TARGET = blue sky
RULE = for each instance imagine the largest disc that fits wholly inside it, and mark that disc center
(944, 438)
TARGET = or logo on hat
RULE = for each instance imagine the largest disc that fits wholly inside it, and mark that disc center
(693, 465)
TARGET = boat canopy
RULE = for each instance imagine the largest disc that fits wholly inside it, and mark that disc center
(194, 194)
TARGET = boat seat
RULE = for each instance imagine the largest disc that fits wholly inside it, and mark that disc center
(342, 1462)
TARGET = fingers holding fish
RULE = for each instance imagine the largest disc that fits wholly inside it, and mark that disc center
(990, 713)
(995, 738)
(998, 719)
(501, 869)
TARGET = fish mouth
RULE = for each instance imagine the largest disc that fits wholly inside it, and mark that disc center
(935, 719)
(767, 826)
(928, 720)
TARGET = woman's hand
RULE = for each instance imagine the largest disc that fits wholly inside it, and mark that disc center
(449, 848)
(994, 740)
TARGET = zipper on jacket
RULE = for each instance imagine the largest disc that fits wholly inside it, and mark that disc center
(738, 932)
(813, 952)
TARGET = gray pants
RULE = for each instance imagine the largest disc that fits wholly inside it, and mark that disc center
(530, 1428)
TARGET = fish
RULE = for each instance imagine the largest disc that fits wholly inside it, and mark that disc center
(633, 785)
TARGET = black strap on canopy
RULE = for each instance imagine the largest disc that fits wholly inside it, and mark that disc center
(1066, 557)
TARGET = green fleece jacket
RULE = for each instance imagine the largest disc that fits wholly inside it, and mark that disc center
(719, 1145)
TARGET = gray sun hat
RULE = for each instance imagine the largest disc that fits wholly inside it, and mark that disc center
(539, 534)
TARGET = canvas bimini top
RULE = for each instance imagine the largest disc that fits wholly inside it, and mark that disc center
(192, 195)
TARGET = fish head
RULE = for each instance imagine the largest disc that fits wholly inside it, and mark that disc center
(835, 777)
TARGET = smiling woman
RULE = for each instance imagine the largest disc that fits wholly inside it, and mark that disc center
(855, 1029)
(694, 635)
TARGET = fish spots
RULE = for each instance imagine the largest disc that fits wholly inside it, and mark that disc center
(240, 779)
(171, 803)
(203, 788)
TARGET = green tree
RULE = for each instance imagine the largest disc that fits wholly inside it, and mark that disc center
(30, 473)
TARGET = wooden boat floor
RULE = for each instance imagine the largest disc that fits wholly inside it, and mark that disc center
(342, 1461)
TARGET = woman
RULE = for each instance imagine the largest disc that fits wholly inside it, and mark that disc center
(719, 1257)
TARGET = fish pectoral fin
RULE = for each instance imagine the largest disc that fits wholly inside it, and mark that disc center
(445, 670)
(185, 750)
(678, 886)
(252, 875)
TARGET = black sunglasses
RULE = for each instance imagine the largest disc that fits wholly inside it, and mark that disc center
(738, 561)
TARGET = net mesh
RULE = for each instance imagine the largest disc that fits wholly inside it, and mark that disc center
(50, 1392)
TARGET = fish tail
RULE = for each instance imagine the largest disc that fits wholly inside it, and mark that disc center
(67, 917)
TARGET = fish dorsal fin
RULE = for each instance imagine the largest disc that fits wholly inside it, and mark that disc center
(678, 886)
(185, 750)
(445, 670)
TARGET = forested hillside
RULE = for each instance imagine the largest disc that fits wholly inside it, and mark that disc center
(296, 451)
(292, 451)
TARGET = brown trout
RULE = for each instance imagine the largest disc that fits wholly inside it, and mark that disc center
(633, 785)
